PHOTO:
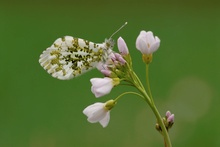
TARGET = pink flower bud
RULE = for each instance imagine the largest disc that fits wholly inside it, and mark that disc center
(170, 119)
(168, 113)
(122, 47)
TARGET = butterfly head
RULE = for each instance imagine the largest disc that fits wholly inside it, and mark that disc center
(109, 43)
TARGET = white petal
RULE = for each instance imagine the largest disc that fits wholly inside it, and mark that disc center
(104, 122)
(97, 115)
(101, 86)
(141, 44)
(91, 108)
(155, 45)
(150, 37)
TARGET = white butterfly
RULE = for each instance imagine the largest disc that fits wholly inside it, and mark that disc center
(69, 57)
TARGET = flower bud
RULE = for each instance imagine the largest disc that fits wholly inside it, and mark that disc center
(122, 47)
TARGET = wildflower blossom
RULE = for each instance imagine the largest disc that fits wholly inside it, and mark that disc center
(146, 43)
(103, 86)
(99, 112)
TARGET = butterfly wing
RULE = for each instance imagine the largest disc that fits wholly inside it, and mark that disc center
(69, 57)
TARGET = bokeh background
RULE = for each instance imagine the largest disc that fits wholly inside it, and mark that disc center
(37, 110)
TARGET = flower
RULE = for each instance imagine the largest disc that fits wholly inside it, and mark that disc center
(99, 112)
(122, 47)
(146, 43)
(103, 86)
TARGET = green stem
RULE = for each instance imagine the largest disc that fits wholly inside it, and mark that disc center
(149, 99)
(159, 118)
(148, 81)
(117, 98)
(167, 141)
(164, 130)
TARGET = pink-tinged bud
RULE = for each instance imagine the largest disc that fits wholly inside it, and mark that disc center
(168, 113)
(106, 72)
(102, 66)
(170, 119)
(122, 47)
(112, 56)
(120, 58)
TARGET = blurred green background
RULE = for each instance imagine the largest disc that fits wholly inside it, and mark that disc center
(37, 110)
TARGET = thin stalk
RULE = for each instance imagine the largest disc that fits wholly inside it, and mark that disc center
(148, 81)
(135, 93)
(159, 118)
(167, 141)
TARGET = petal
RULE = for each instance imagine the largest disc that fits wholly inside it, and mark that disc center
(97, 115)
(91, 108)
(155, 45)
(143, 33)
(99, 82)
(104, 122)
(150, 37)
(101, 91)
(95, 81)
(101, 86)
(141, 41)
(141, 45)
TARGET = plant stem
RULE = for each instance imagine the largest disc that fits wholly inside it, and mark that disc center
(148, 81)
(167, 141)
(149, 100)
(117, 98)
(159, 118)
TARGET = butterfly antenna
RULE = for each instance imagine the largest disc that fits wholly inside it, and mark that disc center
(119, 29)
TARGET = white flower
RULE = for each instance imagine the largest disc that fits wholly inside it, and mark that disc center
(122, 47)
(99, 112)
(103, 86)
(146, 43)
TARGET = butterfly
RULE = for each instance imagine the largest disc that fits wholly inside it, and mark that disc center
(69, 57)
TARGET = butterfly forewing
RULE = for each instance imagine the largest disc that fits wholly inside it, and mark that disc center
(69, 57)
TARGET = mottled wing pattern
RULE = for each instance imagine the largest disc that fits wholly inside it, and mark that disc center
(69, 57)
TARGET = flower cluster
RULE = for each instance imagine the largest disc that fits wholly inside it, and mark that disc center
(116, 69)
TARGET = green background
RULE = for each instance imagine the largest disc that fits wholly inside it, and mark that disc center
(37, 110)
